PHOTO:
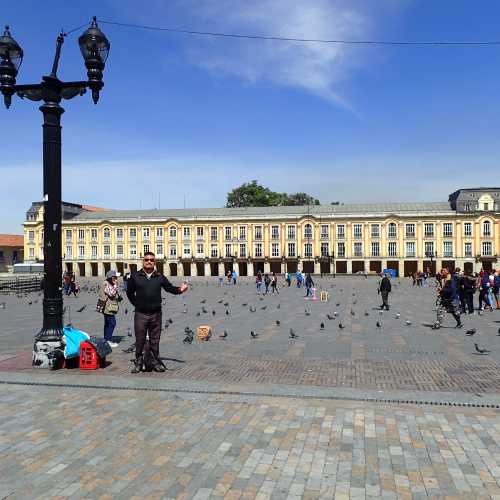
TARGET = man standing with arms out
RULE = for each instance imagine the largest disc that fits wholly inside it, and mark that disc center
(384, 289)
(144, 292)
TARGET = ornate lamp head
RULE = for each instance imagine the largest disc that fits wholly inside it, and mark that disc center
(94, 47)
(11, 57)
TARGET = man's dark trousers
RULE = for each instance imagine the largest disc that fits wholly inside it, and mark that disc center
(147, 323)
(385, 299)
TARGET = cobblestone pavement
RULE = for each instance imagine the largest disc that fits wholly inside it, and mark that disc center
(88, 443)
(361, 355)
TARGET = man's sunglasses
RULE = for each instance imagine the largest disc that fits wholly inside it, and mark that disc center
(149, 260)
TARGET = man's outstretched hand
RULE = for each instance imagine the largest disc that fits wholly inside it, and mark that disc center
(184, 286)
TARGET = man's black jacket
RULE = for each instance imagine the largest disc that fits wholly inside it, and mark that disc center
(145, 294)
(385, 284)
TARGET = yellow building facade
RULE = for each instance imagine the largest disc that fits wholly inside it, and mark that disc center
(342, 239)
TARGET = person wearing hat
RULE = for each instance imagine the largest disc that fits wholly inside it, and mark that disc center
(108, 304)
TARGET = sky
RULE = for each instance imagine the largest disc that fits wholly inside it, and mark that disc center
(184, 119)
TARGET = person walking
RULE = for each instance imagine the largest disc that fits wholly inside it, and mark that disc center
(496, 288)
(448, 301)
(274, 284)
(108, 305)
(309, 283)
(234, 276)
(267, 282)
(288, 279)
(144, 293)
(384, 288)
(258, 282)
(468, 287)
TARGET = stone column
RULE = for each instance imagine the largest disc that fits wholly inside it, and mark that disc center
(317, 268)
(194, 269)
(250, 271)
(88, 269)
(349, 266)
(166, 268)
(221, 268)
(267, 267)
(283, 267)
(207, 268)
(180, 269)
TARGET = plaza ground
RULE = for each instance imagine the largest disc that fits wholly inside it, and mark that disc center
(400, 411)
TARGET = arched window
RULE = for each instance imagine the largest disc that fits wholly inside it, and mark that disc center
(391, 230)
(486, 228)
(106, 232)
(308, 232)
(172, 232)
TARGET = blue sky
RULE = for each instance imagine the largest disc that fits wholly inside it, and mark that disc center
(185, 117)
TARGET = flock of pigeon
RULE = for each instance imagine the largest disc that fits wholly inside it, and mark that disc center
(91, 288)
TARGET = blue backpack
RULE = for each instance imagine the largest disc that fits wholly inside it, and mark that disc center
(73, 338)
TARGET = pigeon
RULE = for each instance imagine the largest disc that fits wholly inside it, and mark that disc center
(252, 309)
(244, 305)
(307, 313)
(480, 350)
(227, 312)
(341, 326)
(261, 298)
(203, 301)
(353, 313)
(329, 317)
(367, 313)
(29, 303)
(167, 324)
(470, 332)
(408, 322)
(129, 332)
(498, 333)
(397, 316)
(213, 313)
(81, 308)
(379, 324)
(198, 314)
(220, 301)
(335, 314)
(278, 306)
(188, 340)
(129, 349)
(224, 335)
(263, 308)
(204, 310)
(226, 304)
(293, 335)
(253, 334)
(278, 322)
(126, 311)
(322, 326)
(337, 304)
(170, 320)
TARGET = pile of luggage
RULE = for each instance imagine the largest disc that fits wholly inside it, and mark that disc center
(75, 348)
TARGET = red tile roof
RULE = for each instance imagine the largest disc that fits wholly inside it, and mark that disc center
(11, 240)
(91, 208)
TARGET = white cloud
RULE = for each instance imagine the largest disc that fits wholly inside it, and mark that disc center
(314, 67)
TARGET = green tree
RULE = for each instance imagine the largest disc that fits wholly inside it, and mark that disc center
(298, 199)
(252, 194)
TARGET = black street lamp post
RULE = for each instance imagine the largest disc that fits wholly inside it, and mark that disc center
(94, 47)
